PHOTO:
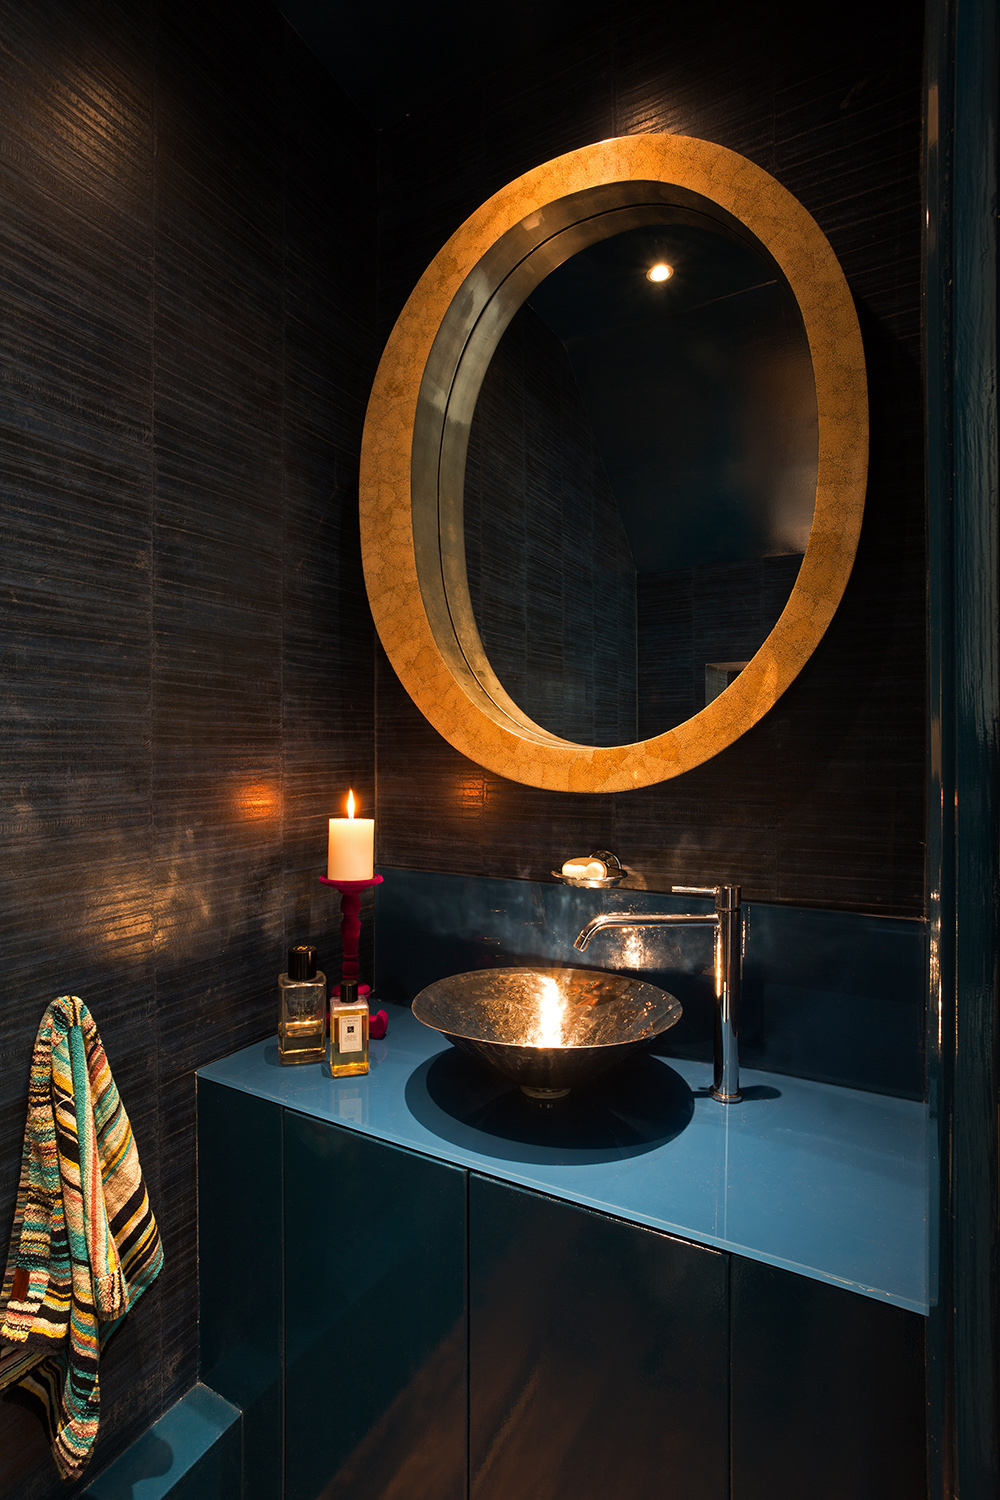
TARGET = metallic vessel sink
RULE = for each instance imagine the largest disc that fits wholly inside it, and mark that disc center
(547, 1029)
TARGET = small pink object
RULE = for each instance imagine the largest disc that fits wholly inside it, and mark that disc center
(378, 1025)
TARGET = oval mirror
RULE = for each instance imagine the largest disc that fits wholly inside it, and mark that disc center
(605, 518)
(640, 480)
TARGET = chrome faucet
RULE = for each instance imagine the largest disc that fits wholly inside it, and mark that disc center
(728, 924)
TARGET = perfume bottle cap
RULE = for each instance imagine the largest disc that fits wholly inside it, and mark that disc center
(348, 992)
(302, 962)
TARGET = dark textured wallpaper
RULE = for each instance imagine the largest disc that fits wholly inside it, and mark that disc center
(551, 575)
(187, 317)
(692, 617)
(187, 293)
(822, 803)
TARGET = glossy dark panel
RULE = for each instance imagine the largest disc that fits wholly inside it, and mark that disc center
(192, 1453)
(597, 1355)
(822, 803)
(240, 1271)
(942, 853)
(827, 1391)
(962, 866)
(836, 996)
(431, 925)
(375, 1354)
(216, 1476)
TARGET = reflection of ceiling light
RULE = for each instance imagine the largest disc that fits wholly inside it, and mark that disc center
(660, 272)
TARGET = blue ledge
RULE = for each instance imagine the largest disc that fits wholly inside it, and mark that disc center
(193, 1452)
(825, 1181)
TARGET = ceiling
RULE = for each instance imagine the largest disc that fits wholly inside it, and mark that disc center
(393, 58)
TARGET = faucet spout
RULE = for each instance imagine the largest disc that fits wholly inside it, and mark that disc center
(638, 919)
(728, 924)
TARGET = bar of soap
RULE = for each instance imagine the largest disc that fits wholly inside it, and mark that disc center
(585, 869)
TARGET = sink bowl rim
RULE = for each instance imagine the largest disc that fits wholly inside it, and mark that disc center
(671, 1014)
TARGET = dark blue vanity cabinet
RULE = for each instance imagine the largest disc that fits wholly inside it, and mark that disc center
(332, 1292)
(827, 1391)
(375, 1326)
(240, 1253)
(598, 1355)
(394, 1325)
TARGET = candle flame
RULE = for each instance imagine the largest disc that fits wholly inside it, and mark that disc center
(350, 804)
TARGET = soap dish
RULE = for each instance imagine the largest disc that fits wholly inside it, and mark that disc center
(614, 876)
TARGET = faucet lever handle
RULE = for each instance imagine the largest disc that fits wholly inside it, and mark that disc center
(727, 897)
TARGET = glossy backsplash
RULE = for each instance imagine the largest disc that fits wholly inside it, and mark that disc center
(834, 996)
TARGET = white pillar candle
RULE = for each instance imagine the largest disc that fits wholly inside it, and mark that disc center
(352, 846)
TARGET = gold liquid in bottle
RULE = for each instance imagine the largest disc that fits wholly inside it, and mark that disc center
(300, 1041)
(347, 1032)
(303, 1004)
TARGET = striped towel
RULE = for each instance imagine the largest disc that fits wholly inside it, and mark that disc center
(84, 1243)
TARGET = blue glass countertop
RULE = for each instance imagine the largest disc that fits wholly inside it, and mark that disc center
(828, 1182)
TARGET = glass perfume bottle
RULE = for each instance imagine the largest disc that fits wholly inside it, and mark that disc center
(347, 1032)
(303, 1006)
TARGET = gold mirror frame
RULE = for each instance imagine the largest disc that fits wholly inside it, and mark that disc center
(416, 430)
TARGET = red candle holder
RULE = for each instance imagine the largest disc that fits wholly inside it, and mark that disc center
(350, 923)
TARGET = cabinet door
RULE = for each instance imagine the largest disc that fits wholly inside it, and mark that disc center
(828, 1391)
(598, 1365)
(375, 1331)
(239, 1270)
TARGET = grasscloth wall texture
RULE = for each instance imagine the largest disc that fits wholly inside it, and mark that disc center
(187, 295)
(822, 802)
(551, 575)
(186, 315)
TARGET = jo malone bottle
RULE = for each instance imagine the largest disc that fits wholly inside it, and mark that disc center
(303, 1005)
(347, 1033)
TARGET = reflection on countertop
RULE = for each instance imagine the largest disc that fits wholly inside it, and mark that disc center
(627, 1112)
(826, 1181)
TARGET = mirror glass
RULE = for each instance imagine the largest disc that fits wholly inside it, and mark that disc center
(640, 479)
